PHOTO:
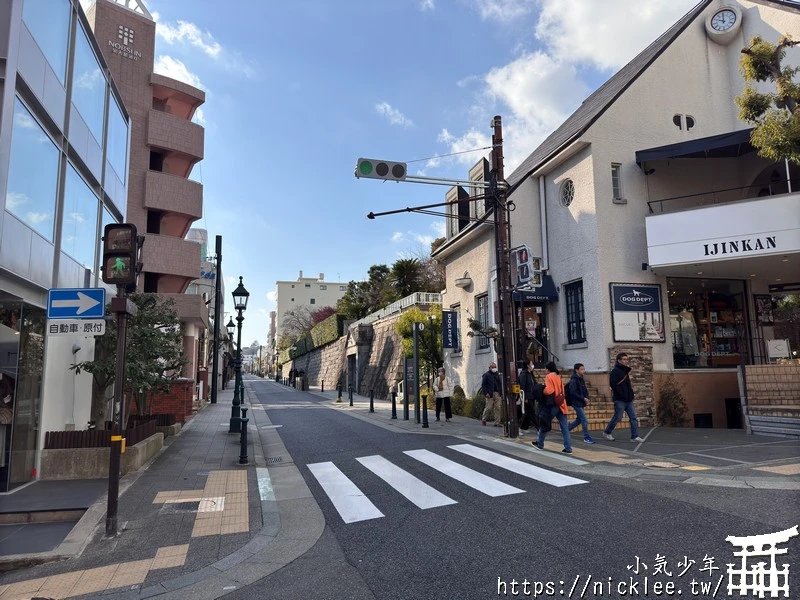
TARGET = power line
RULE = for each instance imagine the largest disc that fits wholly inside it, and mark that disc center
(451, 154)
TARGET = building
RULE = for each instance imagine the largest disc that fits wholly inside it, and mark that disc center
(165, 144)
(661, 231)
(64, 131)
(310, 292)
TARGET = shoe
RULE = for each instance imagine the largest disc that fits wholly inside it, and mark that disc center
(588, 440)
(447, 420)
(521, 433)
(483, 423)
(535, 444)
(437, 418)
(565, 451)
(609, 437)
(637, 439)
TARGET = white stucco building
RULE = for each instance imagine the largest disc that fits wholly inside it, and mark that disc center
(312, 292)
(661, 231)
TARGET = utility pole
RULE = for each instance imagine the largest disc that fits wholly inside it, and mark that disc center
(215, 355)
(505, 352)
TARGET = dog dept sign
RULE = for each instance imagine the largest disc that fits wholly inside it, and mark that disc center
(636, 312)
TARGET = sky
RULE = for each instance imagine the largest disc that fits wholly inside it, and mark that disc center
(297, 91)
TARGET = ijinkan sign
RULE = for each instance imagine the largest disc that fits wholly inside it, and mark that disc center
(739, 246)
(123, 49)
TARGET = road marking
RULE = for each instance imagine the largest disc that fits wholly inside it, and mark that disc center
(474, 479)
(741, 462)
(351, 504)
(419, 492)
(517, 466)
(265, 490)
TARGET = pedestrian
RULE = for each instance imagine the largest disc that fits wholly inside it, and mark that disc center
(578, 398)
(622, 394)
(533, 394)
(444, 389)
(555, 406)
(492, 389)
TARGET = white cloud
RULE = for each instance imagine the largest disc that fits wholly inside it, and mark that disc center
(38, 217)
(398, 236)
(272, 296)
(438, 228)
(605, 34)
(427, 5)
(23, 119)
(188, 33)
(14, 200)
(199, 117)
(504, 10)
(174, 68)
(394, 116)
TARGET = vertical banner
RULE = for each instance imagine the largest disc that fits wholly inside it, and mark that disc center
(764, 315)
(450, 329)
(636, 312)
(410, 385)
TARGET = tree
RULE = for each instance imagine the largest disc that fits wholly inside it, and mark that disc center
(406, 276)
(297, 321)
(354, 304)
(776, 115)
(380, 290)
(432, 276)
(319, 315)
(429, 341)
(153, 355)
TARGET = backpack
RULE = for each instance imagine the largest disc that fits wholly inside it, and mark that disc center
(568, 392)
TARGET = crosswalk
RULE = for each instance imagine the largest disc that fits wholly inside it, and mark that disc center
(353, 505)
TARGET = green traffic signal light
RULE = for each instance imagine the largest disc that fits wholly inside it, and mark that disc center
(365, 167)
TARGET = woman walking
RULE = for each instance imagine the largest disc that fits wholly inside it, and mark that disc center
(444, 389)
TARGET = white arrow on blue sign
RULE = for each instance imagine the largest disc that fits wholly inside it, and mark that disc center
(76, 303)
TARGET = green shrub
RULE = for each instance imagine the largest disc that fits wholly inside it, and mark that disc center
(671, 410)
(458, 400)
(478, 404)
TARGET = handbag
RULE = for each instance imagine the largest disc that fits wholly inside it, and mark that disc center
(545, 418)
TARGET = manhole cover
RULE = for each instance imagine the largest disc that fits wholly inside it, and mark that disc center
(662, 465)
(274, 459)
(180, 507)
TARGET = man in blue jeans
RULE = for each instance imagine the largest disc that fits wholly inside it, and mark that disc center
(622, 394)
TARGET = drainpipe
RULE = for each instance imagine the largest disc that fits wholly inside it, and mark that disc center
(543, 223)
(788, 179)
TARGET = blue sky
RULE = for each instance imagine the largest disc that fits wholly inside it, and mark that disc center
(297, 91)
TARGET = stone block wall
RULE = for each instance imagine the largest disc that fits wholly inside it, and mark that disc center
(773, 390)
(385, 361)
(327, 363)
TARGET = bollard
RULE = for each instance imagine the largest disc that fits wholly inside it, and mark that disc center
(372, 401)
(243, 440)
(350, 393)
(425, 412)
(322, 387)
(339, 390)
(394, 405)
(405, 406)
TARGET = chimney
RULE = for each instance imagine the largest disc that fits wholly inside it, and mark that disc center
(300, 277)
(322, 276)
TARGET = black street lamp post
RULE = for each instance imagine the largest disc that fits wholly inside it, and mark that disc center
(240, 297)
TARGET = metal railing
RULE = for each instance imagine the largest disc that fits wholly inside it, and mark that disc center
(677, 203)
(425, 298)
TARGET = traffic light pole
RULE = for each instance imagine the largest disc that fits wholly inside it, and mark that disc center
(505, 351)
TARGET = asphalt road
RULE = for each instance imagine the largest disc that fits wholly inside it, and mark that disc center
(582, 540)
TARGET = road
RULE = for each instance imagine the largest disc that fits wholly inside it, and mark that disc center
(433, 516)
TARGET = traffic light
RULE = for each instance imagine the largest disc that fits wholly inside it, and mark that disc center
(525, 269)
(381, 169)
(120, 250)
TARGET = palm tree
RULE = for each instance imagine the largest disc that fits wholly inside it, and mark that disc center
(406, 276)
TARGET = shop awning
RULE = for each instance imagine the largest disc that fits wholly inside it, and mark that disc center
(546, 293)
(725, 145)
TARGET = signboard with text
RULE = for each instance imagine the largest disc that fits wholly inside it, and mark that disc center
(450, 329)
(85, 327)
(636, 312)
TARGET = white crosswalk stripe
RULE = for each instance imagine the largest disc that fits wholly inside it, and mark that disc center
(419, 492)
(474, 479)
(348, 500)
(517, 466)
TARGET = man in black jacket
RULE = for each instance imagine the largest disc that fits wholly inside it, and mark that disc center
(492, 389)
(622, 394)
(533, 392)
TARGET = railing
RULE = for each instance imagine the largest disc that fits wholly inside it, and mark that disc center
(96, 438)
(677, 203)
(396, 307)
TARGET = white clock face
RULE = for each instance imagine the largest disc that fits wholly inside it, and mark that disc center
(723, 20)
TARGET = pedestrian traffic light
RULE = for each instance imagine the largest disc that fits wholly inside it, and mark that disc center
(120, 250)
(381, 169)
(521, 266)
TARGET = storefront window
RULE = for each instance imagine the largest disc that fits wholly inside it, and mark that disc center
(48, 22)
(88, 85)
(10, 313)
(32, 174)
(79, 224)
(707, 323)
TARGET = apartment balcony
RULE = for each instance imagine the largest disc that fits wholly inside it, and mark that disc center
(175, 97)
(178, 142)
(176, 262)
(190, 308)
(179, 199)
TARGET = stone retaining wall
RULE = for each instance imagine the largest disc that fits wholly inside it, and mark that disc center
(92, 463)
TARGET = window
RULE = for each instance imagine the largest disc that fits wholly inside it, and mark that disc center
(576, 324)
(308, 285)
(342, 288)
(291, 299)
(616, 182)
(79, 220)
(117, 146)
(32, 174)
(482, 316)
(88, 85)
(567, 192)
(456, 308)
(323, 287)
(313, 301)
(48, 22)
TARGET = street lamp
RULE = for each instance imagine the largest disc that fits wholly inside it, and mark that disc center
(230, 327)
(240, 296)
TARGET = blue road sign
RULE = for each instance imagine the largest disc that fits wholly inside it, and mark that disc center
(76, 303)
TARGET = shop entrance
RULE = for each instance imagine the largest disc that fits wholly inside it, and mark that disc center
(531, 333)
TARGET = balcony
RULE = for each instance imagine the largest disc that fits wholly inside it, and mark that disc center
(175, 260)
(175, 97)
(190, 308)
(179, 199)
(180, 141)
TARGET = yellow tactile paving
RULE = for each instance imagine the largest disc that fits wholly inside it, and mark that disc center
(234, 517)
(90, 581)
(793, 469)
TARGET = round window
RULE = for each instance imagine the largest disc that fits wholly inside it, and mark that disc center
(567, 193)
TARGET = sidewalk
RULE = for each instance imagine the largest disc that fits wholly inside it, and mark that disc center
(720, 457)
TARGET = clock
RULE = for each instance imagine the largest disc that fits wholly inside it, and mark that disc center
(723, 24)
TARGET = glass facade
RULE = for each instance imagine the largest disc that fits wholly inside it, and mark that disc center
(79, 223)
(88, 85)
(48, 22)
(32, 174)
(117, 145)
(708, 323)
